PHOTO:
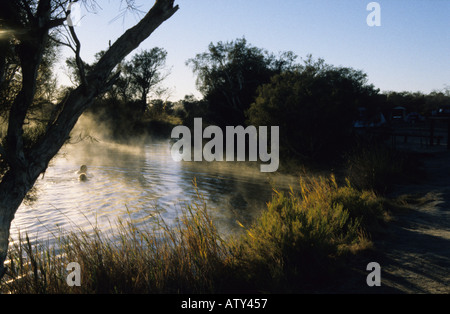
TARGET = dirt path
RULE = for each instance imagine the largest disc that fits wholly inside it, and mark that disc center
(414, 249)
(415, 254)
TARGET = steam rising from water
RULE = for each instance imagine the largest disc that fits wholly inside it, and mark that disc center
(136, 181)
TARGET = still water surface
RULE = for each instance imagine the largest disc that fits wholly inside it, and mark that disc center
(139, 183)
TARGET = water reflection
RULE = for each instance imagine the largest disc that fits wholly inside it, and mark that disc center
(139, 183)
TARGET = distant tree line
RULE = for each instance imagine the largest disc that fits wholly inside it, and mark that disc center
(314, 103)
(421, 103)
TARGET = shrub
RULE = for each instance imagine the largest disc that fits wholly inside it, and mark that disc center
(375, 167)
(300, 237)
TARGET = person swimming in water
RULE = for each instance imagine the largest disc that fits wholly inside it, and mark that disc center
(83, 169)
(83, 173)
(83, 177)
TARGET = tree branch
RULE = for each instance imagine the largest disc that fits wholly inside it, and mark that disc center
(97, 80)
(59, 42)
(56, 22)
(132, 38)
(111, 82)
(79, 61)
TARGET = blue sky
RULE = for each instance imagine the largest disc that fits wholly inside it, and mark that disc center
(410, 51)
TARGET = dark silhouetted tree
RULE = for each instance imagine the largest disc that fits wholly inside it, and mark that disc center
(314, 106)
(145, 71)
(228, 75)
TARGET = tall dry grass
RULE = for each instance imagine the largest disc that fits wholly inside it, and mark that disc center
(378, 167)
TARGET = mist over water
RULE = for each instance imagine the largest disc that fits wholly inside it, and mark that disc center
(138, 182)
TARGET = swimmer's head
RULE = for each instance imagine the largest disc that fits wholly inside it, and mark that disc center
(83, 169)
(83, 177)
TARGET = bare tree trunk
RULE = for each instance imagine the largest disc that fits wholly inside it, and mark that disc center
(26, 166)
(12, 191)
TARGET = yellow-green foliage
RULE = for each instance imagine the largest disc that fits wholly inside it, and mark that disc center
(301, 235)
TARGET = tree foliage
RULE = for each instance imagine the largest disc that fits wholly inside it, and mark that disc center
(229, 73)
(419, 102)
(145, 71)
(124, 106)
(315, 107)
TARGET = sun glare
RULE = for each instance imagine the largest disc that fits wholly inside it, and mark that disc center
(5, 33)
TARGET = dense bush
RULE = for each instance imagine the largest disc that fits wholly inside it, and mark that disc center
(315, 108)
(298, 240)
